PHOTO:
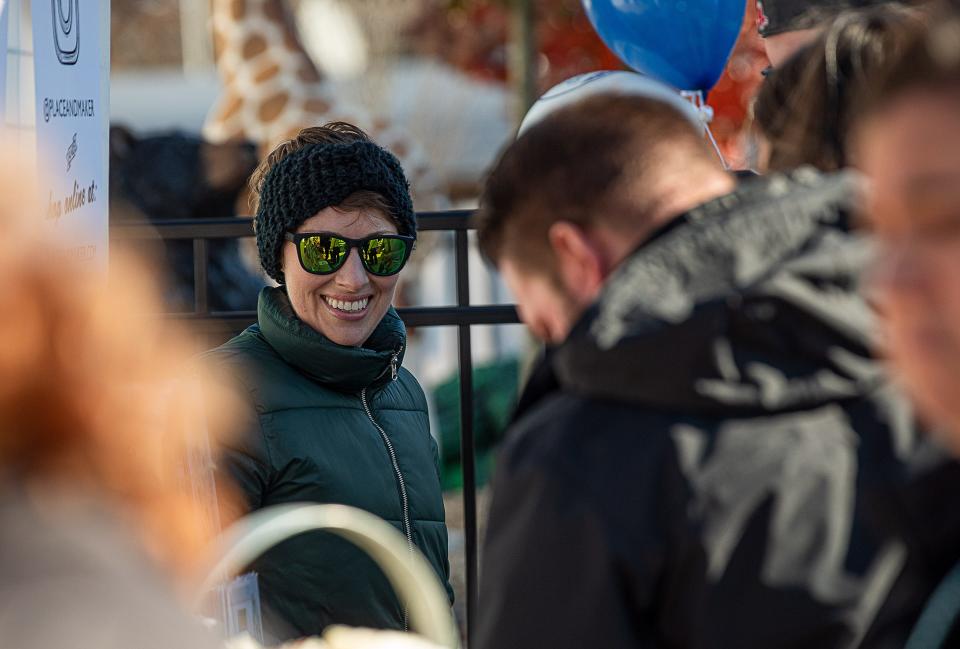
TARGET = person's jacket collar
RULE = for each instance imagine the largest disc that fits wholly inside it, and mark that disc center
(347, 369)
(749, 305)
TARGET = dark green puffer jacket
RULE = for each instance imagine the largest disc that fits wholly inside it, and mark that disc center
(311, 435)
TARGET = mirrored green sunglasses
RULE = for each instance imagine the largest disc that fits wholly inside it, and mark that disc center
(322, 253)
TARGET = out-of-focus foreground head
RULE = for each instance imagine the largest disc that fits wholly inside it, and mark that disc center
(909, 147)
(806, 107)
(98, 401)
(580, 190)
(787, 26)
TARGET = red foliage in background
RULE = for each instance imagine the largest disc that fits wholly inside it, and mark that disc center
(732, 95)
(568, 44)
(472, 35)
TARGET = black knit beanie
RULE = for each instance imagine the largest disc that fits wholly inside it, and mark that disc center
(779, 16)
(323, 175)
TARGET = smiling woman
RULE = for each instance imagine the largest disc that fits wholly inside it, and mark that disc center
(329, 277)
(332, 417)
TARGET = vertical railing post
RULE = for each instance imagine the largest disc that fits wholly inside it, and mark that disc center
(201, 285)
(467, 448)
(522, 61)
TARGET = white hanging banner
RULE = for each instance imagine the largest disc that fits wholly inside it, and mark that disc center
(71, 58)
(4, 59)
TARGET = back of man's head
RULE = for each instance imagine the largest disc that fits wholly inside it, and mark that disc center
(624, 164)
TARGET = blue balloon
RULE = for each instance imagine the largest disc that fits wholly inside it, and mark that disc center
(685, 43)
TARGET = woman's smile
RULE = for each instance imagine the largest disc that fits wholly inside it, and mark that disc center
(347, 305)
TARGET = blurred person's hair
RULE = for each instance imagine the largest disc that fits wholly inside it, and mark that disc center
(806, 108)
(99, 399)
(601, 160)
(331, 133)
(793, 15)
(930, 61)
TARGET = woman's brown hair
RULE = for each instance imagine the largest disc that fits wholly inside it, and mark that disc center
(930, 61)
(806, 107)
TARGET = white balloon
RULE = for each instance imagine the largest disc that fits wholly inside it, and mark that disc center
(618, 82)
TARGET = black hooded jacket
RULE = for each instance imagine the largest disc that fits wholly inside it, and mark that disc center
(723, 464)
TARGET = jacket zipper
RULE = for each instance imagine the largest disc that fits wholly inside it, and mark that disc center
(407, 530)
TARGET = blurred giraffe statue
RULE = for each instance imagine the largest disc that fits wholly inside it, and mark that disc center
(272, 89)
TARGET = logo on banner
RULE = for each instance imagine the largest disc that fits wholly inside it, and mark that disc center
(66, 30)
(72, 151)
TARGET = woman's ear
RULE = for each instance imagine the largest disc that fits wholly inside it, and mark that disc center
(581, 264)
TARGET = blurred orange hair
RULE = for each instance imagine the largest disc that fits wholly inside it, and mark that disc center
(97, 393)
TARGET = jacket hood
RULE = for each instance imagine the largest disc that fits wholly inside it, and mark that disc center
(347, 369)
(747, 304)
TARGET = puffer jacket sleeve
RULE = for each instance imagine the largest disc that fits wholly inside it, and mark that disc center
(445, 567)
(420, 399)
(413, 394)
(243, 469)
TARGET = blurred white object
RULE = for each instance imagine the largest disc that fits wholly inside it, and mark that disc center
(341, 637)
(618, 82)
(140, 99)
(334, 38)
(241, 607)
(73, 575)
(405, 568)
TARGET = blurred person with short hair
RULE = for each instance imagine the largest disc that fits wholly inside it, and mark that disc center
(909, 147)
(722, 462)
(99, 529)
(329, 414)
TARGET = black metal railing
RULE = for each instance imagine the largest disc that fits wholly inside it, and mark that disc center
(463, 316)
